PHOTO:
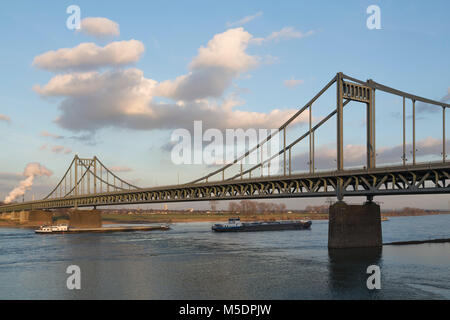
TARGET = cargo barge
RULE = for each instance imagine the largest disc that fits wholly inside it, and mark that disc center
(235, 225)
(65, 229)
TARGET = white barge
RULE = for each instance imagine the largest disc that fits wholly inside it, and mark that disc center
(50, 229)
(66, 229)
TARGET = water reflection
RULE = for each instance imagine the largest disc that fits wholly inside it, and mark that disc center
(347, 270)
(191, 262)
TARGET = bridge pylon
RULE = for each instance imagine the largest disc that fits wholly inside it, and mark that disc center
(88, 176)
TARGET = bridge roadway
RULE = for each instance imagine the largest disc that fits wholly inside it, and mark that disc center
(425, 178)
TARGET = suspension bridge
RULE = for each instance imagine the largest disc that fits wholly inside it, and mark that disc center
(89, 183)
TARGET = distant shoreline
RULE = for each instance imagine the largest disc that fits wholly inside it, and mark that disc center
(400, 214)
(403, 243)
(123, 218)
(188, 217)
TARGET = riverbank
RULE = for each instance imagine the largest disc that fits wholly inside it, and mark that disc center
(16, 224)
(108, 218)
(194, 217)
(123, 218)
(211, 217)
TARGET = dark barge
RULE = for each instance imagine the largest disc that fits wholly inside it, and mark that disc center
(235, 225)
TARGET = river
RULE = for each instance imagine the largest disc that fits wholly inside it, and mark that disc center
(191, 262)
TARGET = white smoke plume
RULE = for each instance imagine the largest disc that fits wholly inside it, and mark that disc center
(31, 170)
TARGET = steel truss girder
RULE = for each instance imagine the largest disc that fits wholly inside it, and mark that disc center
(401, 180)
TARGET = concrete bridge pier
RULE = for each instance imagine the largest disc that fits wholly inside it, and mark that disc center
(36, 217)
(354, 226)
(85, 218)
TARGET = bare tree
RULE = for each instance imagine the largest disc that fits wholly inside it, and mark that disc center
(213, 204)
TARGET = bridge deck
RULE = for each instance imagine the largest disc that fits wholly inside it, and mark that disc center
(425, 178)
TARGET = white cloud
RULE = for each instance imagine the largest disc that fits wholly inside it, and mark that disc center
(94, 83)
(355, 155)
(51, 135)
(196, 85)
(288, 33)
(226, 50)
(10, 176)
(57, 149)
(120, 169)
(100, 97)
(213, 69)
(5, 118)
(284, 34)
(293, 82)
(447, 97)
(126, 98)
(90, 56)
(100, 27)
(428, 108)
(244, 20)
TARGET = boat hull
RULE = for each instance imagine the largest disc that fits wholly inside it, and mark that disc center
(263, 227)
(104, 230)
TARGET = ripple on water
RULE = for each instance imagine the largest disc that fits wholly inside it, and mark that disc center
(190, 261)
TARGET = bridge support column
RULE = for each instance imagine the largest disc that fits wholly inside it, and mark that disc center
(85, 219)
(354, 226)
(36, 217)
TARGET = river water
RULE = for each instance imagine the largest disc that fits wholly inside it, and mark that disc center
(191, 262)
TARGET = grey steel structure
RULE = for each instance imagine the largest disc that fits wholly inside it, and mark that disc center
(88, 183)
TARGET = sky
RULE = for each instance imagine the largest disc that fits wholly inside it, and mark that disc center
(136, 71)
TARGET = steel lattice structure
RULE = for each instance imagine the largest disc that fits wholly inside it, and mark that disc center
(84, 175)
(89, 183)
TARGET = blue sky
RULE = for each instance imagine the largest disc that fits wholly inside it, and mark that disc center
(409, 52)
